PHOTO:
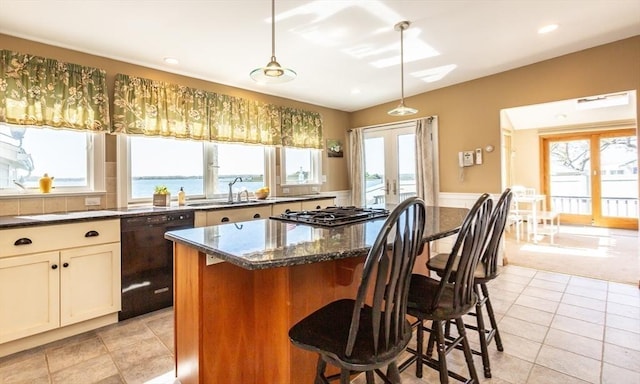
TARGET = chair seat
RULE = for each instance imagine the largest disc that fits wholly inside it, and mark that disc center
(422, 291)
(438, 263)
(326, 331)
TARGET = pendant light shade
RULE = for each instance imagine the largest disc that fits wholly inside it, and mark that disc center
(401, 109)
(273, 72)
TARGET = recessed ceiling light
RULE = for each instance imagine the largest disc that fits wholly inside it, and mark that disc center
(548, 28)
(561, 116)
(171, 60)
(355, 91)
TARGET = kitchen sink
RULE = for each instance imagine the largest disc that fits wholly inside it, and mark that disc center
(220, 202)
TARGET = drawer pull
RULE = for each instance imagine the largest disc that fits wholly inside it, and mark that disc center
(256, 216)
(225, 219)
(91, 234)
(161, 290)
(65, 265)
(23, 241)
(54, 266)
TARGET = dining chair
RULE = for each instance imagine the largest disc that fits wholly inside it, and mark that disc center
(486, 270)
(369, 332)
(449, 298)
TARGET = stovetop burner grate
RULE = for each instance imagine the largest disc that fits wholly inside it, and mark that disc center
(333, 216)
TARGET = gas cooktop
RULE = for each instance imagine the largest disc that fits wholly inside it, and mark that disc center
(333, 216)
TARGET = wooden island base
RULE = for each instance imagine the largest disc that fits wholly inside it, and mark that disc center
(232, 324)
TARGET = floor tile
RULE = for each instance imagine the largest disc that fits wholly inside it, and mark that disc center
(507, 286)
(579, 327)
(594, 284)
(621, 322)
(125, 358)
(622, 338)
(625, 289)
(543, 375)
(508, 368)
(74, 352)
(612, 374)
(585, 302)
(592, 293)
(523, 328)
(24, 368)
(621, 357)
(623, 310)
(542, 293)
(125, 335)
(517, 346)
(586, 314)
(517, 270)
(89, 371)
(546, 284)
(623, 299)
(552, 276)
(512, 278)
(536, 303)
(150, 370)
(574, 343)
(530, 314)
(570, 363)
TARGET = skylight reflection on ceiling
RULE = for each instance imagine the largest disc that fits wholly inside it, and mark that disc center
(434, 74)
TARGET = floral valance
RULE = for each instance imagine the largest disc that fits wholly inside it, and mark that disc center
(46, 92)
(148, 107)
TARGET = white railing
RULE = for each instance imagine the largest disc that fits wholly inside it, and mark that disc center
(611, 206)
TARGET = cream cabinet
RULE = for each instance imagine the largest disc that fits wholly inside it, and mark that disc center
(310, 205)
(45, 287)
(238, 214)
(280, 208)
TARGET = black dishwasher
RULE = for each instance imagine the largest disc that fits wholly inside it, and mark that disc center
(147, 261)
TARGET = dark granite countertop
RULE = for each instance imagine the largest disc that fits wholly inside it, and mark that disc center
(61, 218)
(267, 243)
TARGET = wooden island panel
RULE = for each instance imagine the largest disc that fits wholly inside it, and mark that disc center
(233, 323)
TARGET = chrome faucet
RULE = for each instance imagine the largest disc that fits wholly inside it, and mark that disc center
(20, 185)
(240, 195)
(230, 197)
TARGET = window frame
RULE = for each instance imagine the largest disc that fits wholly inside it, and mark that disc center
(124, 172)
(316, 168)
(95, 168)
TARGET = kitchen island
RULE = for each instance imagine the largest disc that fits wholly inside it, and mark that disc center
(239, 288)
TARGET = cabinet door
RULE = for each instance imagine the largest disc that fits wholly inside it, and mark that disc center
(317, 204)
(29, 298)
(89, 282)
(238, 214)
(280, 208)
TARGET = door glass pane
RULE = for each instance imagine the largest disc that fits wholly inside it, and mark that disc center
(570, 176)
(407, 166)
(374, 172)
(619, 176)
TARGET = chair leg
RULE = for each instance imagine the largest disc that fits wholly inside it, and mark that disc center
(442, 352)
(320, 368)
(370, 378)
(345, 376)
(467, 352)
(482, 333)
(393, 374)
(492, 318)
(419, 347)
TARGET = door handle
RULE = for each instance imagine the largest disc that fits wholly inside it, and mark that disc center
(394, 188)
(386, 187)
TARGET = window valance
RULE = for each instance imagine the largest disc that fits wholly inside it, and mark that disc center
(46, 92)
(148, 107)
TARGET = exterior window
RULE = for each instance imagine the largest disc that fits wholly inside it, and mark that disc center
(74, 159)
(202, 169)
(301, 166)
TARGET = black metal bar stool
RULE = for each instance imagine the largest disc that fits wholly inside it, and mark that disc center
(449, 298)
(370, 332)
(486, 271)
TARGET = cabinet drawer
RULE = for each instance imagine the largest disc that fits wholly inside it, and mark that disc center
(26, 240)
(283, 207)
(316, 204)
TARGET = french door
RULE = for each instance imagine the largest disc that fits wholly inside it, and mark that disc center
(390, 165)
(592, 178)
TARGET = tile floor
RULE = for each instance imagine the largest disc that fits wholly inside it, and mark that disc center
(556, 328)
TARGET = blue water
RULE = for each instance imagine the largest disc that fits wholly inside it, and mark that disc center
(141, 188)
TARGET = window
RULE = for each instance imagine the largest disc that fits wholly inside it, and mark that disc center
(203, 169)
(300, 166)
(75, 159)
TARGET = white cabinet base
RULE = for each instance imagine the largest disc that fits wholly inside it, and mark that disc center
(11, 347)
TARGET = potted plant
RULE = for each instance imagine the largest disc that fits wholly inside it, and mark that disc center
(161, 196)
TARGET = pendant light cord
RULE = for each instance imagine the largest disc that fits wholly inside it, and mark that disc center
(273, 30)
(402, 64)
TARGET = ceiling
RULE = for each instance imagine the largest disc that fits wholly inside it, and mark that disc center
(346, 52)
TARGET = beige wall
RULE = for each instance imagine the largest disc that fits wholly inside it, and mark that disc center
(469, 113)
(335, 122)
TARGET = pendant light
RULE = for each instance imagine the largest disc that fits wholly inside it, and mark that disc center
(273, 72)
(401, 109)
